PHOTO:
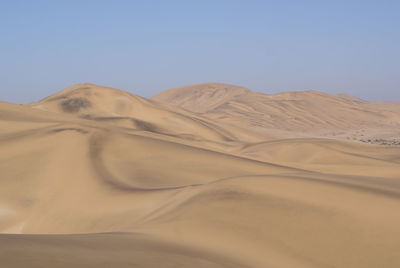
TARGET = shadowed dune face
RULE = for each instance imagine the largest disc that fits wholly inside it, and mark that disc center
(105, 250)
(96, 184)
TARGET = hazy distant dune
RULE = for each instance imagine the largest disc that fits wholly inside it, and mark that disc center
(299, 114)
(200, 97)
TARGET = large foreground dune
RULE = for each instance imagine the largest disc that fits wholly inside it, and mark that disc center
(97, 177)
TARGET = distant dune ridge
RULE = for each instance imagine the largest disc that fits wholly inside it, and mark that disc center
(296, 114)
(201, 97)
(208, 175)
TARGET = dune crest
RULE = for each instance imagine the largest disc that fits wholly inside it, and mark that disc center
(293, 114)
(97, 177)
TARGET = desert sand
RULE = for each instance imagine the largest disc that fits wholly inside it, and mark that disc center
(208, 175)
(291, 114)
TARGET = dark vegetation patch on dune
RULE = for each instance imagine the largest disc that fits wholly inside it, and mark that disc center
(387, 142)
(74, 105)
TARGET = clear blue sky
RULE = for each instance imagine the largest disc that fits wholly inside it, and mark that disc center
(147, 46)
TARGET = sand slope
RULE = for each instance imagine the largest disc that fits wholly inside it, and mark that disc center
(104, 250)
(200, 97)
(85, 185)
(120, 108)
(291, 114)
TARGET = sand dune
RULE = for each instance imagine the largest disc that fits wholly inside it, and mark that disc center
(120, 108)
(105, 250)
(97, 177)
(290, 114)
(200, 97)
(329, 156)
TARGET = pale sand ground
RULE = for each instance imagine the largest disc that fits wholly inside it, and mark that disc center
(115, 180)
